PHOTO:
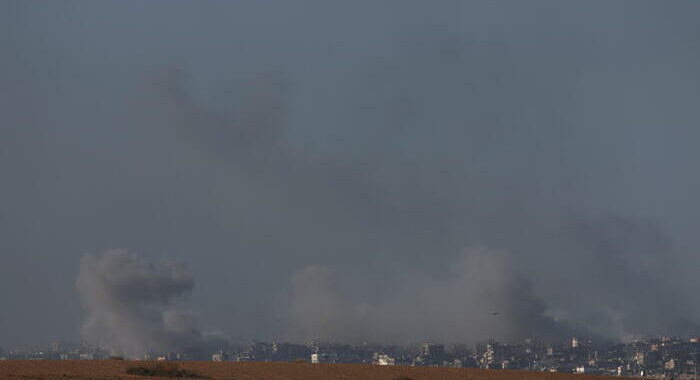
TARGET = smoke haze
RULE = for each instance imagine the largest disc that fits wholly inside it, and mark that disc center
(128, 303)
(481, 295)
(352, 171)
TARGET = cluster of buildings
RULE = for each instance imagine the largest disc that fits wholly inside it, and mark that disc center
(84, 351)
(659, 357)
(57, 351)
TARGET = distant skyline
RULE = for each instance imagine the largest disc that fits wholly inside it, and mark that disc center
(395, 171)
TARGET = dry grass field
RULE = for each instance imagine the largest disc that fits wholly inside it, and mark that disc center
(116, 369)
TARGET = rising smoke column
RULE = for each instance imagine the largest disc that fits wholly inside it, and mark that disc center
(128, 303)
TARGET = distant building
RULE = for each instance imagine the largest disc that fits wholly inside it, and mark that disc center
(670, 365)
(584, 369)
(290, 352)
(244, 357)
(219, 357)
(324, 357)
(383, 359)
(433, 349)
(431, 354)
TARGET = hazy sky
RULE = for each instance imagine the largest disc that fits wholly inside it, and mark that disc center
(356, 170)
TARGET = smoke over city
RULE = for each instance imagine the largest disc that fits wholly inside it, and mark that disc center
(481, 288)
(397, 172)
(129, 303)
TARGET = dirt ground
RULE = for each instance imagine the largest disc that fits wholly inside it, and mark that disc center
(116, 369)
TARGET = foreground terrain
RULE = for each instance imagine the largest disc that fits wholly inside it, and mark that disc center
(117, 369)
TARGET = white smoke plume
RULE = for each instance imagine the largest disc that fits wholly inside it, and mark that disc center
(128, 303)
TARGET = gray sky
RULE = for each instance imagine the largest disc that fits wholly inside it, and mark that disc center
(350, 170)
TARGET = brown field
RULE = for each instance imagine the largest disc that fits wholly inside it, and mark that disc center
(116, 369)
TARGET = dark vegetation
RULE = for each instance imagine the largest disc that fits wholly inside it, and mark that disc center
(163, 370)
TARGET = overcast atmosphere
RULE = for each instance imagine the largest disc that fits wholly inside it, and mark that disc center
(348, 171)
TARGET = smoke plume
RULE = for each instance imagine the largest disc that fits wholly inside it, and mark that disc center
(128, 303)
(624, 267)
(398, 210)
(323, 168)
(481, 296)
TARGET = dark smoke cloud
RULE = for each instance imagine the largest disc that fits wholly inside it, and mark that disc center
(129, 303)
(322, 168)
(625, 266)
(398, 205)
(250, 122)
(617, 256)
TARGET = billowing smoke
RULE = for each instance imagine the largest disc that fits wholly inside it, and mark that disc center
(129, 303)
(325, 168)
(482, 295)
(595, 277)
(624, 268)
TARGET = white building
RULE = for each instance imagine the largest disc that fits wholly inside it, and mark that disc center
(574, 342)
(383, 359)
(324, 358)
